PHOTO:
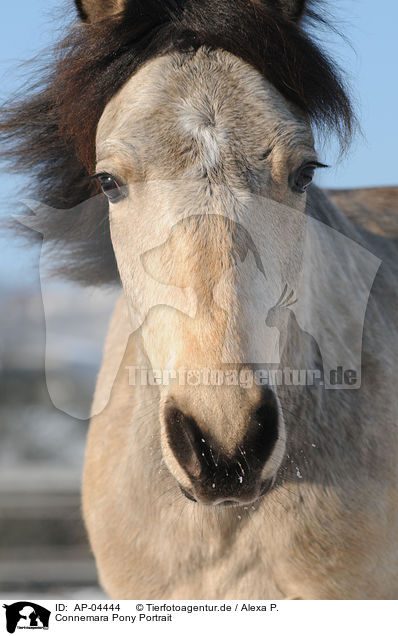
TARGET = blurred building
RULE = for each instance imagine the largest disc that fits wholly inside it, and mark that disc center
(43, 544)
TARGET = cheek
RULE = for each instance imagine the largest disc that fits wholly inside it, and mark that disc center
(120, 223)
(124, 244)
(131, 237)
(153, 300)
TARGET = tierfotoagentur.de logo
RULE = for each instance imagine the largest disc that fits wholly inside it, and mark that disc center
(26, 615)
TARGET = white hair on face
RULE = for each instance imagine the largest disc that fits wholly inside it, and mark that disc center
(201, 126)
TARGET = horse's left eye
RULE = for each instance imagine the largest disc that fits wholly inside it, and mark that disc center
(111, 187)
(304, 177)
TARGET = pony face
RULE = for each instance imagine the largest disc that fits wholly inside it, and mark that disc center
(205, 156)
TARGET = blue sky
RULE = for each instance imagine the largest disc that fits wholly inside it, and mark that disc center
(370, 61)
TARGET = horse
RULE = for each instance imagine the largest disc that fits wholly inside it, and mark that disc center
(173, 145)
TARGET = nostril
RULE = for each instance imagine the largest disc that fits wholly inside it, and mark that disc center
(217, 477)
(183, 436)
(263, 432)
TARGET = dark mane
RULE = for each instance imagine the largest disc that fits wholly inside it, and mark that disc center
(52, 132)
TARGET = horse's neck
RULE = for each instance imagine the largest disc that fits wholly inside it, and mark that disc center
(344, 311)
(337, 276)
(322, 208)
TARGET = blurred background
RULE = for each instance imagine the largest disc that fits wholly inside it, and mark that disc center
(43, 547)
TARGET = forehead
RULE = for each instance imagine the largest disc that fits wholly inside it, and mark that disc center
(178, 107)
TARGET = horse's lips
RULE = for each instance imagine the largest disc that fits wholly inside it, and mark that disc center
(265, 488)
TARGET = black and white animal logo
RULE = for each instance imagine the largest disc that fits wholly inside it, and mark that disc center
(26, 615)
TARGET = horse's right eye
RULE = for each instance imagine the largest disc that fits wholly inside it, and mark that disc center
(111, 187)
(304, 177)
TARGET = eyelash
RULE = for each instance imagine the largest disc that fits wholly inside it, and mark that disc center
(307, 173)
